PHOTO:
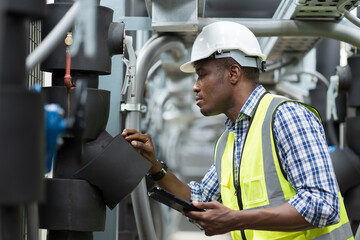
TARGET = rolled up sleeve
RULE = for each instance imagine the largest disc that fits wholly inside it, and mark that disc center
(208, 190)
(304, 156)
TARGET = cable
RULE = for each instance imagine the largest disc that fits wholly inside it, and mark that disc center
(316, 74)
(319, 76)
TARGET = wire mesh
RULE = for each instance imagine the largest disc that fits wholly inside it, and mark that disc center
(35, 76)
(320, 9)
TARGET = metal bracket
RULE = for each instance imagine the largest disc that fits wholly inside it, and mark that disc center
(133, 107)
(130, 76)
(332, 93)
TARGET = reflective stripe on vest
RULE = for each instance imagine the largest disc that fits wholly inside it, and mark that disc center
(276, 190)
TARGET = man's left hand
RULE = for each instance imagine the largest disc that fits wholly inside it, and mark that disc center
(215, 220)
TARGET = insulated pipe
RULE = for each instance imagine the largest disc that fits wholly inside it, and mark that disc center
(334, 30)
(53, 38)
(148, 56)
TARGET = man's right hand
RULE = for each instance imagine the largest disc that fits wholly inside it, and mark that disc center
(143, 144)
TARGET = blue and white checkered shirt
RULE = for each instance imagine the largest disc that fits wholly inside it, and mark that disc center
(304, 156)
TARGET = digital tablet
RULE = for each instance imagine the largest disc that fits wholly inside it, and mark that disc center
(171, 200)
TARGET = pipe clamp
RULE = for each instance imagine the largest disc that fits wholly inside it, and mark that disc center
(133, 107)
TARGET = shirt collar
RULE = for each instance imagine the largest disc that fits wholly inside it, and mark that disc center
(248, 108)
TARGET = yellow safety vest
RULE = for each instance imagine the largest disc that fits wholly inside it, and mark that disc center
(262, 182)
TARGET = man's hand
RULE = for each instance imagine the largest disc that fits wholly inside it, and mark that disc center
(143, 144)
(215, 220)
(218, 219)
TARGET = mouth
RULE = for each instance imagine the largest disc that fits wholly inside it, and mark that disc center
(198, 100)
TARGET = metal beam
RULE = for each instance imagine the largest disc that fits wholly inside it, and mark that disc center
(341, 31)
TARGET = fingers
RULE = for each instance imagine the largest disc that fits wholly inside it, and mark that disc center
(206, 205)
(140, 145)
(128, 132)
(199, 204)
(141, 142)
(197, 216)
(132, 134)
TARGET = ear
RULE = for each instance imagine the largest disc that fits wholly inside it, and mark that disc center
(234, 74)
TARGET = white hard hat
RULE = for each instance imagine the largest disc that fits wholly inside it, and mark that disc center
(226, 39)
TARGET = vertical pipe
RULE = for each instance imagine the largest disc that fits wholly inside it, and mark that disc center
(327, 58)
(32, 221)
(12, 73)
(113, 84)
(12, 61)
(148, 56)
(21, 184)
(11, 222)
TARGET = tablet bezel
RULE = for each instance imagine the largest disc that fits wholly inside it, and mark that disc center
(171, 200)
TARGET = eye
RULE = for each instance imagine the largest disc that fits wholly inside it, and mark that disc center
(201, 75)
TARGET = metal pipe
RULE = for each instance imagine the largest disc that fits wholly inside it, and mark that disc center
(334, 30)
(53, 39)
(280, 64)
(148, 56)
(32, 221)
(316, 74)
(341, 8)
(352, 18)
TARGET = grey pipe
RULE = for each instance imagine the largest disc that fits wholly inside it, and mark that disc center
(32, 221)
(342, 10)
(352, 18)
(334, 30)
(280, 64)
(148, 56)
(53, 39)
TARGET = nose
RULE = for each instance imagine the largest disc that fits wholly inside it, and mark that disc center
(196, 87)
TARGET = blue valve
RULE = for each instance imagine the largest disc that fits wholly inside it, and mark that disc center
(55, 126)
(331, 149)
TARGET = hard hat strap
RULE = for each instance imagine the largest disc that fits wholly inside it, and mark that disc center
(239, 57)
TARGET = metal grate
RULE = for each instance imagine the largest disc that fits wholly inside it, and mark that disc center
(35, 75)
(293, 45)
(320, 9)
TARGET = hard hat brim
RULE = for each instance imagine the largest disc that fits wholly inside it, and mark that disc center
(188, 67)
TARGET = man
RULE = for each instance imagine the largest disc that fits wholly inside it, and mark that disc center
(272, 177)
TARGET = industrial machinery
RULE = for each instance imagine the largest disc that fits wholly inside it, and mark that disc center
(114, 64)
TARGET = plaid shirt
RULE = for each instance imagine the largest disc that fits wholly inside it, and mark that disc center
(304, 157)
